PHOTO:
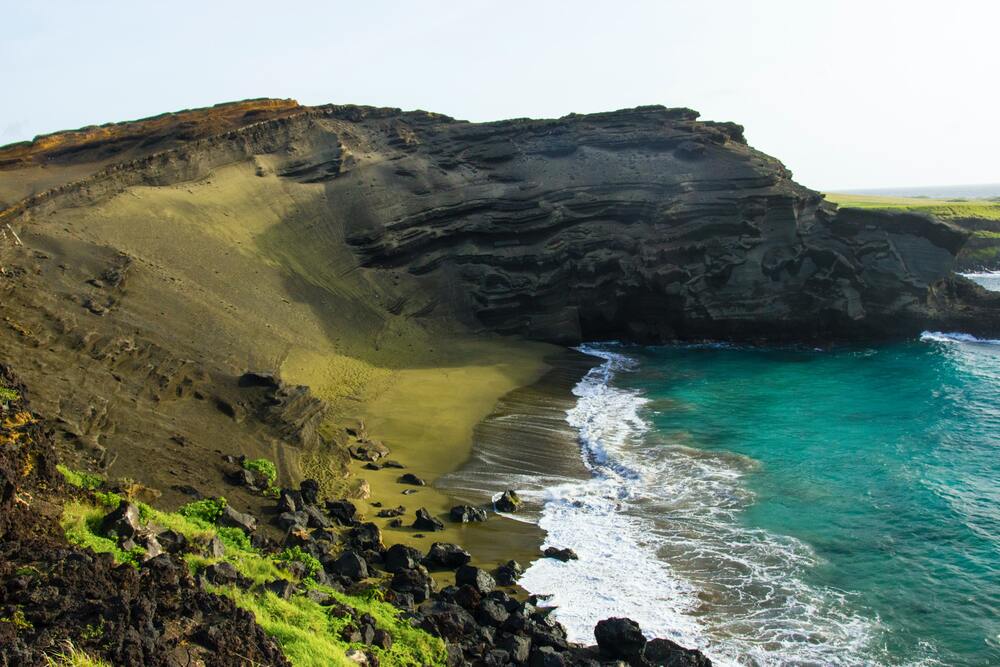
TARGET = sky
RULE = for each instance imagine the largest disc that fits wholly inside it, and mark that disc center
(848, 94)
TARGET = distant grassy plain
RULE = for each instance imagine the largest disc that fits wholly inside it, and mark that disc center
(946, 209)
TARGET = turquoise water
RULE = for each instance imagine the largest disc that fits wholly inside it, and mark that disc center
(787, 506)
(884, 461)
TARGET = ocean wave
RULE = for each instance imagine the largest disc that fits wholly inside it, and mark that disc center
(658, 534)
(956, 337)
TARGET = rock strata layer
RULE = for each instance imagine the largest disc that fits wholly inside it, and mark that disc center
(644, 223)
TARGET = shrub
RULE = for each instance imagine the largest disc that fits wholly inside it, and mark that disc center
(297, 555)
(263, 467)
(207, 510)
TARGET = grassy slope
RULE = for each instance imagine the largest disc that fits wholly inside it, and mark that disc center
(982, 252)
(942, 208)
(309, 634)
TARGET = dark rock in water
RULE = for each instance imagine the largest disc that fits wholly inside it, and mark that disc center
(350, 565)
(425, 521)
(479, 579)
(620, 638)
(343, 512)
(446, 556)
(391, 512)
(122, 522)
(366, 536)
(508, 573)
(467, 514)
(231, 517)
(560, 554)
(309, 488)
(392, 464)
(410, 478)
(401, 557)
(665, 653)
(507, 502)
(415, 582)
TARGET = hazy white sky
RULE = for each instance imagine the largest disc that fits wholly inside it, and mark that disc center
(847, 93)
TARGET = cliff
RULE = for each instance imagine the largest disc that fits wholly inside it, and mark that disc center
(644, 223)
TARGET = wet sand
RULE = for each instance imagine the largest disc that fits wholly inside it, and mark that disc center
(521, 441)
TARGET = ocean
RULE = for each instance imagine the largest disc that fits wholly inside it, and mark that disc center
(785, 506)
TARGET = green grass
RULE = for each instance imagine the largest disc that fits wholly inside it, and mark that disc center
(297, 555)
(206, 511)
(263, 467)
(308, 633)
(81, 480)
(942, 208)
(71, 656)
(8, 395)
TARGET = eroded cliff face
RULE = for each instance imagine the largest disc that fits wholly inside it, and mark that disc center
(644, 224)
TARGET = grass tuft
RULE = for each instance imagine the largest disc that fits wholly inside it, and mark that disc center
(80, 479)
(71, 656)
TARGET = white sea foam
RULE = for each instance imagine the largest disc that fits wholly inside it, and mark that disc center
(659, 541)
(956, 337)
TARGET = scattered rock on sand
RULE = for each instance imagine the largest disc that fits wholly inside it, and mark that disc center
(446, 556)
(410, 478)
(425, 521)
(467, 514)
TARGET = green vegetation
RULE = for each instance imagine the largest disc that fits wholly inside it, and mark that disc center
(263, 467)
(206, 511)
(18, 620)
(82, 524)
(946, 209)
(297, 555)
(81, 480)
(71, 656)
(308, 633)
(8, 395)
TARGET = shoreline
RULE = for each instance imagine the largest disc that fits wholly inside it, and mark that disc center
(517, 406)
